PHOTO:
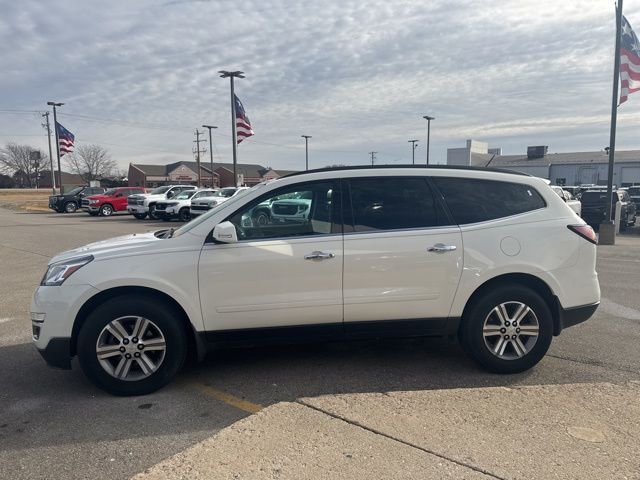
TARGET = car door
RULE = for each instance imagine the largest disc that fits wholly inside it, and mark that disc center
(279, 273)
(120, 200)
(402, 254)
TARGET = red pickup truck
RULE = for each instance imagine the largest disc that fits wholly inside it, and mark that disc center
(113, 200)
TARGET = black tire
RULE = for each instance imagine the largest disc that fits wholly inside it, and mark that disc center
(140, 216)
(168, 321)
(471, 329)
(261, 217)
(70, 207)
(184, 215)
(106, 210)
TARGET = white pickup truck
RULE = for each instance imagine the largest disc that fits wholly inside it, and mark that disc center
(574, 204)
(145, 204)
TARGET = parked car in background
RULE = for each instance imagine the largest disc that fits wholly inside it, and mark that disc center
(113, 200)
(594, 207)
(70, 202)
(202, 204)
(383, 252)
(145, 204)
(178, 206)
(574, 204)
(634, 195)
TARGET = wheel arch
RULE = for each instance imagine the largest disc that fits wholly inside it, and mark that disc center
(525, 279)
(195, 347)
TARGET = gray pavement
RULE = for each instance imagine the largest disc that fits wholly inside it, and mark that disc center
(393, 409)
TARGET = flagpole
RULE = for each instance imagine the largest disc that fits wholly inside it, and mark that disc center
(55, 128)
(234, 138)
(607, 234)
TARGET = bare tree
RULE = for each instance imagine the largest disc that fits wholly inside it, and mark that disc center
(91, 162)
(23, 162)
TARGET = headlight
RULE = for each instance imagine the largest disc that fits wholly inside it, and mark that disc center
(58, 272)
(213, 203)
(93, 201)
(172, 204)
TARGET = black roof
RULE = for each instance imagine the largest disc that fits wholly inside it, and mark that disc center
(427, 167)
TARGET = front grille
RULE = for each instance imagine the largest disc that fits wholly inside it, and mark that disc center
(53, 200)
(161, 206)
(85, 203)
(284, 209)
(135, 201)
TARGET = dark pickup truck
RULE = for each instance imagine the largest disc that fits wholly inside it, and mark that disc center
(70, 201)
(634, 194)
(594, 207)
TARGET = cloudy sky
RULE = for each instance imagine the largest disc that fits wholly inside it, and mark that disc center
(139, 76)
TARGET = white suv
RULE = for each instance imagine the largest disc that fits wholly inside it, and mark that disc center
(494, 257)
(204, 204)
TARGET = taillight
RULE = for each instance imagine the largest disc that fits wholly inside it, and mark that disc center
(585, 231)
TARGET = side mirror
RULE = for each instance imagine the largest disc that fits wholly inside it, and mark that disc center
(225, 232)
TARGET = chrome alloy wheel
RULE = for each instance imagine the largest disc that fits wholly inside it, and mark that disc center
(511, 330)
(131, 348)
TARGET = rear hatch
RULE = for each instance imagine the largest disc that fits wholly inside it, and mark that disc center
(594, 205)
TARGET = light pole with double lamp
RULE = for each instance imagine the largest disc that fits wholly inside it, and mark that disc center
(306, 150)
(231, 76)
(55, 129)
(428, 119)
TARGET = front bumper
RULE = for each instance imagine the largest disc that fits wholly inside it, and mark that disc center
(57, 353)
(137, 209)
(167, 214)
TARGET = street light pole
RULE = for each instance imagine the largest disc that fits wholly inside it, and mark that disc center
(55, 127)
(53, 174)
(413, 150)
(428, 119)
(231, 76)
(306, 150)
(209, 127)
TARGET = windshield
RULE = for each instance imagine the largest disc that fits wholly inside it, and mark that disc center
(75, 191)
(204, 193)
(185, 195)
(203, 218)
(225, 192)
(159, 190)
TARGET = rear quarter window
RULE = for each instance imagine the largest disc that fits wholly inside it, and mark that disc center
(473, 200)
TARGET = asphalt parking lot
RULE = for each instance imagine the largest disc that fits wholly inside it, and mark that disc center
(394, 397)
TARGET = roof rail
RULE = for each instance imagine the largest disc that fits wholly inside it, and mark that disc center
(426, 167)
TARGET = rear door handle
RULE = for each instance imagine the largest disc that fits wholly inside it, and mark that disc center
(317, 255)
(441, 248)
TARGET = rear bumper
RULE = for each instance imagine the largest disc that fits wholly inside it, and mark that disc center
(57, 353)
(568, 317)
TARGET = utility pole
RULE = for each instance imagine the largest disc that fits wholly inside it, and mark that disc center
(53, 175)
(55, 126)
(209, 127)
(234, 138)
(413, 151)
(306, 149)
(373, 157)
(428, 119)
(198, 151)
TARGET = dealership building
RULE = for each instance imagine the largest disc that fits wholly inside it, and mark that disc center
(150, 176)
(573, 168)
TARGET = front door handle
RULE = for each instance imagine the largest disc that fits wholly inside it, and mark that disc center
(317, 255)
(441, 248)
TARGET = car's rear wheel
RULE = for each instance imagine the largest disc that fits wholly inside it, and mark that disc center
(70, 207)
(106, 210)
(131, 345)
(507, 330)
(184, 215)
(140, 216)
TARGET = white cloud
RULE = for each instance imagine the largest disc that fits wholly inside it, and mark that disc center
(357, 75)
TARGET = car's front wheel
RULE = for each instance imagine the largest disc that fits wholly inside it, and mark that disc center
(70, 207)
(508, 329)
(106, 210)
(140, 216)
(184, 215)
(131, 345)
(152, 213)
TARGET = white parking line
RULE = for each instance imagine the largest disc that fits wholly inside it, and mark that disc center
(5, 320)
(618, 310)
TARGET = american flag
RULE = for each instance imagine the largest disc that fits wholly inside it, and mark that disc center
(243, 125)
(65, 139)
(629, 61)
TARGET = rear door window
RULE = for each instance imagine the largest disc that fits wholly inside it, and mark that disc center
(473, 200)
(393, 203)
